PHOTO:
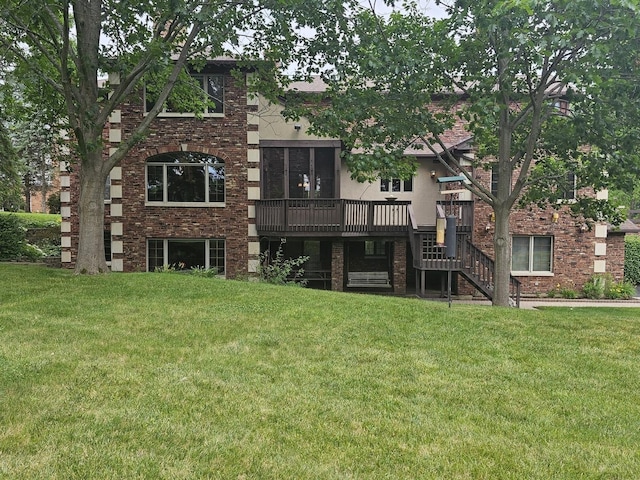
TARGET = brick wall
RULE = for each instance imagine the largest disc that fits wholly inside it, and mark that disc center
(227, 137)
(337, 265)
(400, 266)
(577, 252)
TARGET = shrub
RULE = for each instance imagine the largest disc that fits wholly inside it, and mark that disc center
(12, 237)
(31, 252)
(563, 292)
(568, 293)
(53, 202)
(632, 259)
(620, 291)
(281, 271)
(604, 286)
(204, 272)
(594, 288)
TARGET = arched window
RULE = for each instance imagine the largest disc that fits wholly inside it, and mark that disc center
(185, 178)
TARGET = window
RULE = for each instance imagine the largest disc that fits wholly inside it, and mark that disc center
(374, 248)
(185, 178)
(569, 190)
(561, 106)
(107, 245)
(299, 172)
(494, 179)
(396, 185)
(212, 86)
(531, 254)
(107, 189)
(185, 254)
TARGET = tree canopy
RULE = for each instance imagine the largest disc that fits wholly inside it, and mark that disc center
(502, 68)
(69, 45)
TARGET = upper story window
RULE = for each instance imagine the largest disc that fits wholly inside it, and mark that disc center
(212, 86)
(299, 172)
(531, 255)
(494, 179)
(569, 190)
(561, 106)
(396, 185)
(185, 178)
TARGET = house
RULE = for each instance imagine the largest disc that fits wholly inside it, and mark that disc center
(216, 191)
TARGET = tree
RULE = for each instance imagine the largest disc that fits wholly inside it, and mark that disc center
(32, 110)
(9, 172)
(71, 43)
(501, 67)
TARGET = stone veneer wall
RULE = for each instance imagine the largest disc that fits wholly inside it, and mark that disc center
(233, 137)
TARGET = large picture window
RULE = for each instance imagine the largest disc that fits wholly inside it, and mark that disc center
(185, 178)
(532, 255)
(185, 254)
(299, 172)
(212, 86)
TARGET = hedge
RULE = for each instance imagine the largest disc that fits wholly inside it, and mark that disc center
(632, 259)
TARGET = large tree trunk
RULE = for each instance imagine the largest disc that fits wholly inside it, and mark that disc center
(91, 259)
(502, 249)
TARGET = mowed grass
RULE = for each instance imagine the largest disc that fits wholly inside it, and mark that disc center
(168, 376)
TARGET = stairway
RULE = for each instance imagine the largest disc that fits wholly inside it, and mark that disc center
(470, 262)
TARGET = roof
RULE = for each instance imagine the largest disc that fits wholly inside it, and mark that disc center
(625, 227)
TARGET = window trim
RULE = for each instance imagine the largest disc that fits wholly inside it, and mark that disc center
(286, 146)
(203, 76)
(379, 249)
(574, 191)
(402, 185)
(531, 272)
(165, 192)
(207, 252)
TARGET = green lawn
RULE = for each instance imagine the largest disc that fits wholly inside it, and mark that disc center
(36, 219)
(169, 376)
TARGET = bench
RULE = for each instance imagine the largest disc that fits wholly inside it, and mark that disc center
(368, 280)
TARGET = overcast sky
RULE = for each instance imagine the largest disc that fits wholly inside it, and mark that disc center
(427, 7)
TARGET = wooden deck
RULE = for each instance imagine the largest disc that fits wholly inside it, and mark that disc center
(331, 217)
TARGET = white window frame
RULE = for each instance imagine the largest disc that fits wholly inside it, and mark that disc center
(165, 185)
(390, 181)
(530, 271)
(204, 85)
(207, 251)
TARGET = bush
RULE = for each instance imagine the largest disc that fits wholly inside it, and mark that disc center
(31, 252)
(594, 288)
(632, 259)
(53, 202)
(604, 286)
(281, 271)
(12, 237)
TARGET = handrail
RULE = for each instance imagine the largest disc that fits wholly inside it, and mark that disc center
(310, 215)
(482, 267)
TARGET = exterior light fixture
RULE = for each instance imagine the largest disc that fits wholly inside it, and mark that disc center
(297, 126)
(555, 217)
(433, 174)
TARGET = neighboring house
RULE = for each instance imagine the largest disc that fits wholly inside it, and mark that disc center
(216, 192)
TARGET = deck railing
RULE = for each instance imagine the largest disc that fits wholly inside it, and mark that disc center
(461, 209)
(289, 216)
